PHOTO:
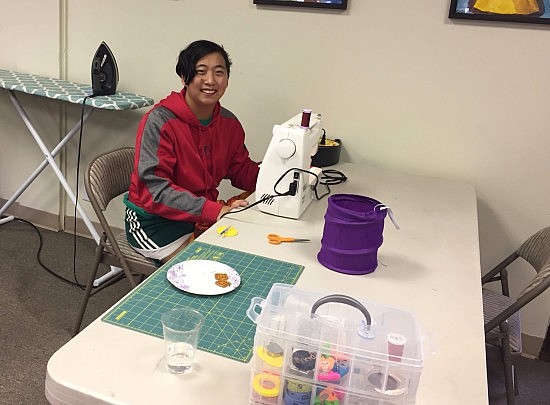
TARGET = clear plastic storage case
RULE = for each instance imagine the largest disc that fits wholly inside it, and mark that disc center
(316, 349)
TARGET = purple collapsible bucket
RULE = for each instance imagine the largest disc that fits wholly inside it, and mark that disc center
(352, 234)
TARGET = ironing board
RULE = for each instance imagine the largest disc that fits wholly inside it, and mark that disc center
(66, 91)
(72, 93)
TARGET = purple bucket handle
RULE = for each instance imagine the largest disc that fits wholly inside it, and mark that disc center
(345, 207)
(353, 207)
(390, 214)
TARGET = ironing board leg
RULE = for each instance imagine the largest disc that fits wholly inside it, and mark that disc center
(41, 166)
(44, 163)
(107, 276)
(52, 163)
(7, 219)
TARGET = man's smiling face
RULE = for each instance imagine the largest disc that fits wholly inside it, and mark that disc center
(208, 85)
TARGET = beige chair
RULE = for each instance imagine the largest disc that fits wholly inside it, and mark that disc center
(501, 312)
(107, 177)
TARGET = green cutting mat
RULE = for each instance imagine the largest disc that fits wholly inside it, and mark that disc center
(227, 331)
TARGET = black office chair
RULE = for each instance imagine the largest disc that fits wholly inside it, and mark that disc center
(107, 177)
(501, 312)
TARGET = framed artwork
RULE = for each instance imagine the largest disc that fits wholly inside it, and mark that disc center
(327, 4)
(526, 11)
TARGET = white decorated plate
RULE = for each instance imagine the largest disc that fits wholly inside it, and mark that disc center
(203, 277)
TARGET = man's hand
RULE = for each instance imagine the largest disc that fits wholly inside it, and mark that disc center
(234, 204)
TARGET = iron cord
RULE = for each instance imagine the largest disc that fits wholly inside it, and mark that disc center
(40, 245)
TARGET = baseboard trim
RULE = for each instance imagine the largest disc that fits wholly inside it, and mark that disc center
(47, 220)
(531, 345)
(39, 218)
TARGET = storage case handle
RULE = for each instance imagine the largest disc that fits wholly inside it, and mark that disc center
(366, 327)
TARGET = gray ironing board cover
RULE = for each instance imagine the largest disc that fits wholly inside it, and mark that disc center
(69, 91)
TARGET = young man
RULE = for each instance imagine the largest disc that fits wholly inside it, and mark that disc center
(185, 146)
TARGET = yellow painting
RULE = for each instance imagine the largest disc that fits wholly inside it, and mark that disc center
(510, 7)
(527, 11)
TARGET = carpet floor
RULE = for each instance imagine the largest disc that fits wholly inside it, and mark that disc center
(39, 310)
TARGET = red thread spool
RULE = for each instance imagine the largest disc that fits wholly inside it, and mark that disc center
(306, 115)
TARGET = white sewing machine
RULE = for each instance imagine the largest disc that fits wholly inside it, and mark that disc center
(286, 166)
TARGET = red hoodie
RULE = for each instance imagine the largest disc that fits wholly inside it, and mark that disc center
(180, 163)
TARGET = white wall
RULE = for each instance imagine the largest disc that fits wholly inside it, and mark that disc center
(402, 85)
(24, 51)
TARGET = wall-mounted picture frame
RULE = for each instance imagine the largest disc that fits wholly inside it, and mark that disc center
(523, 11)
(326, 4)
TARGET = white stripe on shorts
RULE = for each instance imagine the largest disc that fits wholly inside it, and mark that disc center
(165, 251)
(137, 232)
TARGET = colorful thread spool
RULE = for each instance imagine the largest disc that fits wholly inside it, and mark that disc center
(326, 369)
(328, 396)
(298, 386)
(303, 361)
(267, 385)
(296, 398)
(341, 367)
(272, 354)
(306, 115)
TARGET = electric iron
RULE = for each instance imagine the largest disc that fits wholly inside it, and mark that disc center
(104, 72)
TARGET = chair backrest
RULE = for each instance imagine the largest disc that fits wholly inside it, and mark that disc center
(536, 251)
(540, 283)
(108, 176)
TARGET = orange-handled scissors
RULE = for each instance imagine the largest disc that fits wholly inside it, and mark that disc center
(275, 239)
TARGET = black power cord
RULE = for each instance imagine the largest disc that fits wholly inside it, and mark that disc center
(256, 203)
(41, 244)
(328, 177)
(79, 150)
(332, 176)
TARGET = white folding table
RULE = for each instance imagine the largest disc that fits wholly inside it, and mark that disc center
(430, 267)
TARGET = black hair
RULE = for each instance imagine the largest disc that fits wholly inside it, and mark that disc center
(188, 58)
